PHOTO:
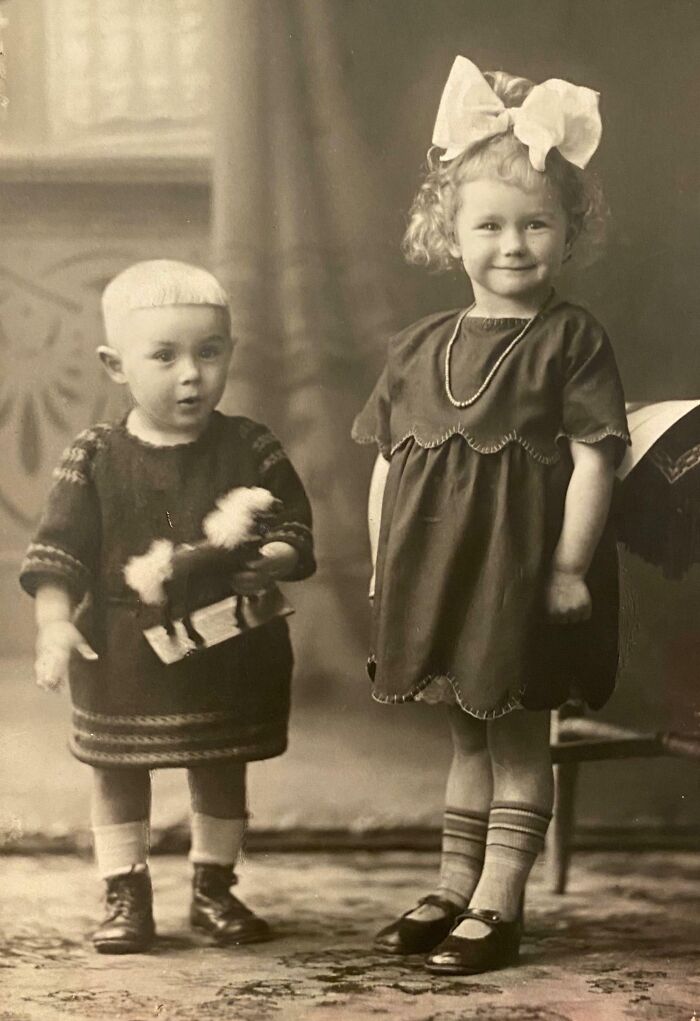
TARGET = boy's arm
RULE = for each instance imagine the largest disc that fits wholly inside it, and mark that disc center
(288, 551)
(586, 510)
(374, 511)
(62, 560)
(57, 636)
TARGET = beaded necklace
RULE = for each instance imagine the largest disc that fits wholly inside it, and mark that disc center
(502, 357)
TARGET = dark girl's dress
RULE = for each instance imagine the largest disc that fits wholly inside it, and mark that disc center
(473, 509)
(113, 495)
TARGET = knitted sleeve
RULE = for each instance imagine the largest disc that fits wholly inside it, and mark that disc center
(276, 473)
(66, 545)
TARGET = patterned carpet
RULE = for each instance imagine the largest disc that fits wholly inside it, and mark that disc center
(623, 944)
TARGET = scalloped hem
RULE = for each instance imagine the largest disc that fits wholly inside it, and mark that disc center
(602, 434)
(414, 695)
(480, 448)
(493, 448)
(368, 441)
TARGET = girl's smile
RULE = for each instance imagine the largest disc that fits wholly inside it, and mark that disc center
(511, 242)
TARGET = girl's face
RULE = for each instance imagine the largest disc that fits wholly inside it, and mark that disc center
(511, 242)
(175, 360)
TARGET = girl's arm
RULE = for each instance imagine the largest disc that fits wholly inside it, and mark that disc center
(374, 510)
(57, 636)
(585, 512)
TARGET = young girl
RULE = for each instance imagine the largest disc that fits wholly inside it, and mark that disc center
(158, 475)
(499, 427)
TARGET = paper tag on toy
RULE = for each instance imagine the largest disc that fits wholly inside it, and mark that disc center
(217, 623)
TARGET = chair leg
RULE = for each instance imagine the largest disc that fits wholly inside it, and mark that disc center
(561, 829)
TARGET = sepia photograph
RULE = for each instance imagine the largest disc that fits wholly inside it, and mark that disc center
(349, 510)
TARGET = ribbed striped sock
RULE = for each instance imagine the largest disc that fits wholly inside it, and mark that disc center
(515, 837)
(516, 833)
(463, 848)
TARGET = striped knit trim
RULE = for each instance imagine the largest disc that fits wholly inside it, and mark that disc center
(175, 759)
(52, 560)
(174, 739)
(76, 465)
(289, 532)
(177, 737)
(89, 740)
(517, 827)
(170, 720)
(267, 439)
(276, 457)
(70, 475)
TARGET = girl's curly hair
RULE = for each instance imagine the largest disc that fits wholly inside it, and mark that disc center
(431, 227)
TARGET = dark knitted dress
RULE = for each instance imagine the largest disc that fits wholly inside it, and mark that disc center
(473, 509)
(113, 495)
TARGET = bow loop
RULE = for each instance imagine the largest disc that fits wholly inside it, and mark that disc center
(468, 107)
(556, 114)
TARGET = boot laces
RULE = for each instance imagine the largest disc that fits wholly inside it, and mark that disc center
(123, 896)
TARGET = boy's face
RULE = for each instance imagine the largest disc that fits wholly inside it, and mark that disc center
(175, 360)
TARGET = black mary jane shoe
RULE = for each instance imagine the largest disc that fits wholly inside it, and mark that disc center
(413, 936)
(462, 955)
(219, 915)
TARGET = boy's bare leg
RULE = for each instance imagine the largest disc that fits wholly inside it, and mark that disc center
(121, 808)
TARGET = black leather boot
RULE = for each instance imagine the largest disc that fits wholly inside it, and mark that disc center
(218, 913)
(128, 927)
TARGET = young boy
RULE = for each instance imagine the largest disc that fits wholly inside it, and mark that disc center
(156, 476)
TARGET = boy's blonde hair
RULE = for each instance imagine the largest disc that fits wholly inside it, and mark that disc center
(156, 283)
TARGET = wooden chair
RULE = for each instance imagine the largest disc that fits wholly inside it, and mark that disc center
(657, 519)
(576, 739)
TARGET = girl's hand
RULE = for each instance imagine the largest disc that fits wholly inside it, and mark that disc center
(55, 642)
(567, 597)
(275, 561)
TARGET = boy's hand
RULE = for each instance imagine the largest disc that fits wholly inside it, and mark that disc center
(567, 597)
(275, 561)
(54, 644)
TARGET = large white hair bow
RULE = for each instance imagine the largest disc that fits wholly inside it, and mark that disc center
(555, 115)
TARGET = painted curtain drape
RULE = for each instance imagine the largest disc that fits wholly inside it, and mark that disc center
(296, 242)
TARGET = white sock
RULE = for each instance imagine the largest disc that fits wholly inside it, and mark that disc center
(215, 841)
(121, 847)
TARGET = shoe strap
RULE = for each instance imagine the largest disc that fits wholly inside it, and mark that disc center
(490, 918)
(434, 899)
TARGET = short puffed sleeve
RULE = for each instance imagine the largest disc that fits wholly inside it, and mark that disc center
(66, 546)
(593, 403)
(373, 424)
